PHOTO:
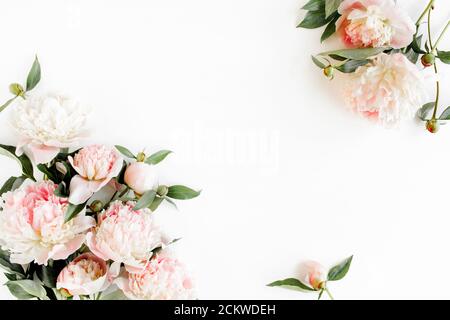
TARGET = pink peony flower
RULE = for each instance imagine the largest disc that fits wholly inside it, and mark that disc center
(388, 89)
(32, 225)
(164, 278)
(45, 124)
(85, 275)
(125, 236)
(140, 177)
(313, 274)
(96, 165)
(374, 23)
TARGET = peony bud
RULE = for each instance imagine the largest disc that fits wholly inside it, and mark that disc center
(16, 89)
(162, 191)
(428, 60)
(313, 274)
(432, 126)
(329, 72)
(96, 206)
(140, 177)
(140, 157)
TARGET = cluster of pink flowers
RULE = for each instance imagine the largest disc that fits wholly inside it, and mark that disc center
(58, 235)
(382, 48)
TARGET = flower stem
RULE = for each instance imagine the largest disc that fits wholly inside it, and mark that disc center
(440, 36)
(329, 293)
(436, 103)
(419, 21)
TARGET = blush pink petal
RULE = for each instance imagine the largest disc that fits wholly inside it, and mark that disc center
(41, 153)
(81, 189)
(63, 251)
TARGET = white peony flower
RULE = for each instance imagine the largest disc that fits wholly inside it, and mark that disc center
(47, 123)
(388, 89)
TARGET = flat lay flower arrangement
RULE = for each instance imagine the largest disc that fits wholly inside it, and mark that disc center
(382, 47)
(79, 223)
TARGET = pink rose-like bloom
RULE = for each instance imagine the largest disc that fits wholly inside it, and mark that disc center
(164, 278)
(374, 23)
(96, 165)
(388, 89)
(85, 275)
(313, 274)
(125, 236)
(32, 225)
(140, 177)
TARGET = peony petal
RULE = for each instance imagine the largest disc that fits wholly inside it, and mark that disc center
(63, 251)
(92, 245)
(81, 189)
(41, 153)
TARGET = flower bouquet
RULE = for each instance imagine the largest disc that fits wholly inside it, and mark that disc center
(79, 223)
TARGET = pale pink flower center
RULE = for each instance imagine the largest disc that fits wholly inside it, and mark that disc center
(95, 162)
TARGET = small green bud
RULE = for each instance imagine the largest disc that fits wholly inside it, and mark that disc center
(140, 157)
(329, 72)
(16, 89)
(96, 206)
(162, 191)
(428, 59)
(432, 126)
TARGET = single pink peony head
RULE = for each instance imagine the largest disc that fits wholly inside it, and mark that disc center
(96, 165)
(85, 275)
(164, 278)
(140, 177)
(125, 236)
(374, 23)
(388, 89)
(32, 225)
(313, 274)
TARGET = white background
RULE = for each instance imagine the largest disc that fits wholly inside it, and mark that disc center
(287, 173)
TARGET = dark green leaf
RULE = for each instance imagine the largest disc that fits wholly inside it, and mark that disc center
(146, 200)
(23, 160)
(182, 193)
(48, 275)
(10, 276)
(291, 282)
(330, 29)
(34, 76)
(444, 56)
(339, 271)
(351, 65)
(331, 7)
(155, 204)
(73, 210)
(43, 168)
(127, 153)
(157, 157)
(314, 5)
(423, 112)
(8, 185)
(61, 191)
(26, 288)
(335, 57)
(412, 55)
(417, 44)
(320, 294)
(318, 63)
(445, 114)
(313, 19)
(7, 103)
(356, 54)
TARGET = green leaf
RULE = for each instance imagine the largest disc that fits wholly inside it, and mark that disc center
(417, 44)
(155, 204)
(444, 56)
(8, 185)
(8, 266)
(445, 114)
(171, 202)
(331, 7)
(318, 63)
(313, 19)
(356, 54)
(146, 200)
(48, 275)
(127, 153)
(26, 288)
(291, 282)
(157, 157)
(335, 57)
(182, 193)
(7, 103)
(314, 5)
(34, 76)
(43, 168)
(339, 271)
(351, 65)
(423, 112)
(23, 160)
(61, 191)
(330, 29)
(115, 295)
(73, 210)
(320, 294)
(412, 55)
